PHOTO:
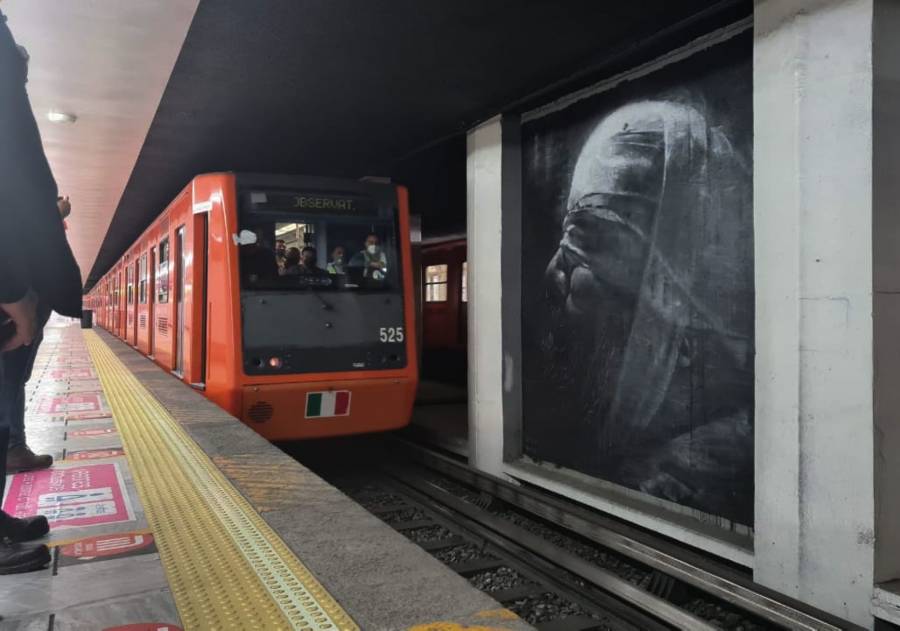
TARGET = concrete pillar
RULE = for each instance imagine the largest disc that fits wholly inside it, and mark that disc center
(483, 229)
(827, 403)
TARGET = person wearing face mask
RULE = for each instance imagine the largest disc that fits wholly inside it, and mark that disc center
(372, 259)
(336, 266)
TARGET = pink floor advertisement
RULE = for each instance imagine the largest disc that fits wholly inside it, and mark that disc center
(86, 495)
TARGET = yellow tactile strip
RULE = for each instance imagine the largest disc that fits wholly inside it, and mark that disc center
(226, 567)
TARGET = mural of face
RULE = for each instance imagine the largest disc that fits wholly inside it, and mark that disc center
(651, 287)
(613, 201)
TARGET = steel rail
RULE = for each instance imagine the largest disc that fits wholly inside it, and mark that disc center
(693, 569)
(527, 563)
(635, 596)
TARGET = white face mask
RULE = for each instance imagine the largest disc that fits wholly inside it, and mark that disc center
(372, 249)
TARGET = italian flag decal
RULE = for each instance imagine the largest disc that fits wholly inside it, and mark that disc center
(324, 404)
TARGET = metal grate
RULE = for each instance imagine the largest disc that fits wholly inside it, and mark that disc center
(225, 565)
(162, 325)
(260, 412)
(143, 321)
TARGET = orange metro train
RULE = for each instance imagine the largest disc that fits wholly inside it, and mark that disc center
(212, 292)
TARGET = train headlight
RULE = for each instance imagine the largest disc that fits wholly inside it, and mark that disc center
(275, 362)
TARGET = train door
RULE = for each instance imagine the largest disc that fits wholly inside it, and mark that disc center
(118, 293)
(132, 302)
(151, 300)
(180, 263)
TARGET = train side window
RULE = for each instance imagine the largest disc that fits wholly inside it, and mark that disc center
(142, 280)
(162, 273)
(464, 293)
(129, 284)
(436, 283)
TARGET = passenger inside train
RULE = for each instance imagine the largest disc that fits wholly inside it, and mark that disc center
(371, 259)
(336, 264)
(291, 265)
(258, 262)
(309, 262)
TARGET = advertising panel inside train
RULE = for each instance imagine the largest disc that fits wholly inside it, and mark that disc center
(638, 294)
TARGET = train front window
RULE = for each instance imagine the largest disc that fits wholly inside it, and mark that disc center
(324, 253)
(321, 284)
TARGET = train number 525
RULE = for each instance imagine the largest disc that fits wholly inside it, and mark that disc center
(390, 334)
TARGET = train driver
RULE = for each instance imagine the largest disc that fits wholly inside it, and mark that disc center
(372, 259)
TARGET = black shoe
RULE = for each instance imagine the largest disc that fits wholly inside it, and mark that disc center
(15, 558)
(15, 530)
(21, 458)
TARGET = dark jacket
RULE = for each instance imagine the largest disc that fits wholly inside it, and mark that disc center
(34, 252)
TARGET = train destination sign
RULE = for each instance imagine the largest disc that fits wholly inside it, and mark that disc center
(327, 203)
(300, 201)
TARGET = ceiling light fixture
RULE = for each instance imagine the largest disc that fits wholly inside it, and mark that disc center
(60, 117)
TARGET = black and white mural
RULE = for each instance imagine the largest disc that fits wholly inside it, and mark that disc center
(638, 302)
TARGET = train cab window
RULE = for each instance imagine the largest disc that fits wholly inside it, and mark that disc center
(436, 283)
(464, 292)
(162, 273)
(321, 282)
(142, 279)
(320, 250)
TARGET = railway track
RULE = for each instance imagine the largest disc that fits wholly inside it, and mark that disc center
(558, 565)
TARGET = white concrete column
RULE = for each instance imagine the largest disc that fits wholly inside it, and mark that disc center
(813, 210)
(483, 229)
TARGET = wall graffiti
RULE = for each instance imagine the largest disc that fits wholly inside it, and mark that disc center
(638, 304)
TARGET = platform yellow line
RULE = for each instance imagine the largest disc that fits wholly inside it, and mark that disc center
(227, 569)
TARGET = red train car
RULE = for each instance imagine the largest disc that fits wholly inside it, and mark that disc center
(444, 309)
(211, 291)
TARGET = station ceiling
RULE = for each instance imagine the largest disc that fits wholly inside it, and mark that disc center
(323, 87)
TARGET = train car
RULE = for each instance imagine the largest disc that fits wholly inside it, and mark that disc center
(321, 349)
(444, 308)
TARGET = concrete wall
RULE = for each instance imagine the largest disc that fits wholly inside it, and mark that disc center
(814, 366)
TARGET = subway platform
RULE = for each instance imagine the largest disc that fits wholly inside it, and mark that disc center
(167, 513)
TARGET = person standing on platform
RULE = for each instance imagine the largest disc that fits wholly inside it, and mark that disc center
(38, 273)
